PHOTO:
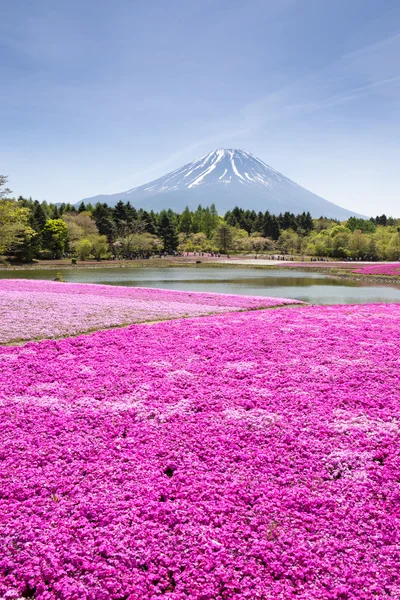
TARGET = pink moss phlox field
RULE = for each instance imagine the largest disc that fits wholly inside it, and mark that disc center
(388, 269)
(252, 455)
(46, 309)
(368, 269)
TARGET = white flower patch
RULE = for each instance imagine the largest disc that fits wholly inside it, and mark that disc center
(257, 417)
(180, 374)
(345, 421)
(184, 406)
(240, 366)
(162, 364)
(348, 463)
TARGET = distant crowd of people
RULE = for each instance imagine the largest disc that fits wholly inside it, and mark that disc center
(214, 254)
(277, 257)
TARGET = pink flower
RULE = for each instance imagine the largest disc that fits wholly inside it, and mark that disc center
(253, 455)
(47, 309)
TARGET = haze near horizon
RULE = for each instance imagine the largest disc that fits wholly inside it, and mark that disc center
(99, 97)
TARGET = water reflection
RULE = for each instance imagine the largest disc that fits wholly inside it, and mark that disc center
(316, 288)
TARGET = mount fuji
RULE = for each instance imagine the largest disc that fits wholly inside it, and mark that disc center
(227, 178)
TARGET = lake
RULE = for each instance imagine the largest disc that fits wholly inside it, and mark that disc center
(315, 288)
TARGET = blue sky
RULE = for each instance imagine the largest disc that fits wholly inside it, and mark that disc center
(100, 96)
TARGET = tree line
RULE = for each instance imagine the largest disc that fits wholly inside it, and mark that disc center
(30, 229)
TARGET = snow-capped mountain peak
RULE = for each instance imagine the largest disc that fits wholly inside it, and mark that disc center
(222, 166)
(226, 177)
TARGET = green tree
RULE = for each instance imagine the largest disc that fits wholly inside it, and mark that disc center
(125, 237)
(14, 224)
(271, 227)
(103, 217)
(120, 213)
(148, 220)
(28, 245)
(80, 226)
(140, 244)
(305, 222)
(56, 213)
(393, 249)
(39, 217)
(214, 216)
(341, 236)
(83, 249)
(372, 252)
(358, 244)
(381, 220)
(363, 225)
(275, 229)
(130, 212)
(240, 240)
(168, 233)
(207, 223)
(185, 222)
(99, 246)
(289, 242)
(382, 240)
(196, 219)
(55, 236)
(259, 243)
(223, 237)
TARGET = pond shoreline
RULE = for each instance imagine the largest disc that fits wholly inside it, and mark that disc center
(335, 272)
(315, 285)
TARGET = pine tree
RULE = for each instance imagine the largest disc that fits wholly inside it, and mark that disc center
(119, 213)
(223, 237)
(258, 225)
(230, 219)
(382, 220)
(275, 229)
(39, 217)
(207, 223)
(214, 215)
(148, 221)
(246, 222)
(185, 222)
(271, 227)
(287, 221)
(167, 232)
(103, 217)
(130, 212)
(267, 225)
(305, 222)
(196, 219)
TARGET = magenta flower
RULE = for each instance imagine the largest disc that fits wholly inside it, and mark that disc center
(382, 269)
(253, 455)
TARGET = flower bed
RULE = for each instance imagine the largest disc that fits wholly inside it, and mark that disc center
(45, 309)
(382, 269)
(252, 455)
(332, 264)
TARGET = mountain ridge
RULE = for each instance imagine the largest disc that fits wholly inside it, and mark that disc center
(227, 177)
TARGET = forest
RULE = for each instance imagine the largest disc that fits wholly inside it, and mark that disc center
(31, 230)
